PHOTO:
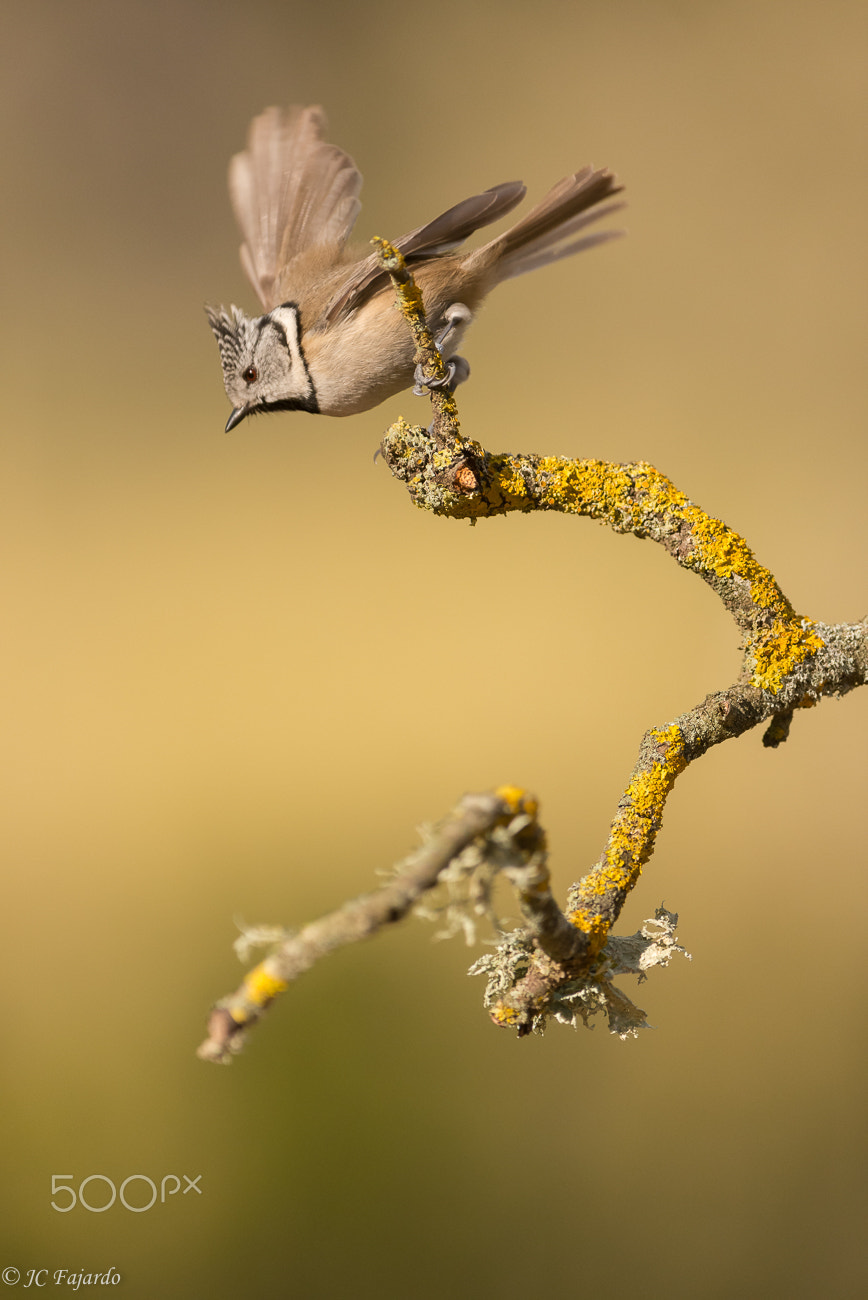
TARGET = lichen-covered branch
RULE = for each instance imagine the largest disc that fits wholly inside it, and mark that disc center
(485, 834)
(789, 661)
(473, 818)
(445, 428)
(560, 963)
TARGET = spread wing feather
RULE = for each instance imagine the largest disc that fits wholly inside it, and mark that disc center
(290, 191)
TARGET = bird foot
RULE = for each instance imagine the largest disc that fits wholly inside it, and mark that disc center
(457, 317)
(457, 370)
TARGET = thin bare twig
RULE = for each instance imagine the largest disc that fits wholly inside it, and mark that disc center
(362, 917)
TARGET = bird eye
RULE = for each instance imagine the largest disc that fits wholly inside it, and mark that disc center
(250, 376)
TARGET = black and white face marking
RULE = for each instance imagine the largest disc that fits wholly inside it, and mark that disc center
(264, 366)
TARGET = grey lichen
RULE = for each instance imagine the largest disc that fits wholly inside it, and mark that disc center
(581, 999)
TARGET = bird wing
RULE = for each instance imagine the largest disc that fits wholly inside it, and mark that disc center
(442, 235)
(290, 191)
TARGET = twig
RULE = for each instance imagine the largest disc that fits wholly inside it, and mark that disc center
(453, 460)
(362, 917)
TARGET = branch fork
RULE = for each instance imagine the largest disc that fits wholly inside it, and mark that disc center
(560, 964)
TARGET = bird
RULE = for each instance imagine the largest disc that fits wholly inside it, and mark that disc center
(331, 341)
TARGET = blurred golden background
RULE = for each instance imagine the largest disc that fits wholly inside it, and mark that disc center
(222, 657)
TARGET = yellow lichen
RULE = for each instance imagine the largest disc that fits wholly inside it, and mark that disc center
(780, 649)
(718, 550)
(595, 926)
(592, 487)
(517, 800)
(634, 829)
(261, 986)
(503, 1015)
(508, 477)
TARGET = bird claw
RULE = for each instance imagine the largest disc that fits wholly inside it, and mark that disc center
(457, 317)
(457, 370)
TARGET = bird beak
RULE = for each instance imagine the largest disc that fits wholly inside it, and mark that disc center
(236, 417)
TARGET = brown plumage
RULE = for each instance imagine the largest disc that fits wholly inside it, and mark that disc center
(331, 340)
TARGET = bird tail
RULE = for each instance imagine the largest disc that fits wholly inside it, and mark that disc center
(547, 233)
